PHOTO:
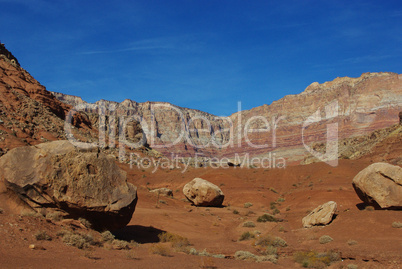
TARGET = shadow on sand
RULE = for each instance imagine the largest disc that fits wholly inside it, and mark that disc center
(138, 233)
(375, 206)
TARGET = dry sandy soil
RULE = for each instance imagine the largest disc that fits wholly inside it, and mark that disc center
(218, 229)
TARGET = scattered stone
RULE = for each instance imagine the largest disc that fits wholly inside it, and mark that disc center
(36, 247)
(203, 193)
(234, 163)
(56, 175)
(322, 215)
(163, 191)
(380, 183)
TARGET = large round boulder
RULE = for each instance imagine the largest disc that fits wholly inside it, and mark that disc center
(380, 183)
(203, 193)
(56, 175)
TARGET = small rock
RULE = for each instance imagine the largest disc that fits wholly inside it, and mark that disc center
(322, 215)
(163, 191)
(36, 247)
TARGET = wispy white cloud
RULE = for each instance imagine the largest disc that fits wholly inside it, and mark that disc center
(164, 43)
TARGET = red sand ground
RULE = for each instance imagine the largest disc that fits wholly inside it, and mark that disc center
(218, 229)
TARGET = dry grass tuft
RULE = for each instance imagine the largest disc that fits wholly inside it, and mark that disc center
(81, 241)
(325, 239)
(160, 249)
(247, 205)
(312, 259)
(107, 236)
(42, 235)
(246, 236)
(249, 224)
(177, 241)
(267, 218)
(269, 240)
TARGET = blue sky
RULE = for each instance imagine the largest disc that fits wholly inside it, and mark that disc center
(205, 54)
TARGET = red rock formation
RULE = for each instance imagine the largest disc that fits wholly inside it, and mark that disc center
(360, 105)
(29, 114)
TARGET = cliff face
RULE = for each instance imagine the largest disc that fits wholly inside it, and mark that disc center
(355, 106)
(29, 114)
(345, 107)
(291, 127)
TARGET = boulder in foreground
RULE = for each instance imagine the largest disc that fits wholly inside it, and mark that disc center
(380, 183)
(322, 215)
(56, 175)
(203, 193)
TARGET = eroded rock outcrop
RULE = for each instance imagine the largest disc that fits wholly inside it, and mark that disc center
(203, 193)
(56, 175)
(321, 215)
(380, 183)
(163, 192)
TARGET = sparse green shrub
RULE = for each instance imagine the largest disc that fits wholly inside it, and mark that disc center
(280, 200)
(249, 224)
(219, 256)
(42, 235)
(312, 259)
(246, 236)
(271, 250)
(352, 242)
(120, 244)
(107, 236)
(267, 258)
(176, 241)
(267, 218)
(77, 240)
(272, 205)
(397, 224)
(204, 253)
(325, 239)
(269, 240)
(236, 212)
(247, 205)
(246, 255)
(276, 211)
(160, 249)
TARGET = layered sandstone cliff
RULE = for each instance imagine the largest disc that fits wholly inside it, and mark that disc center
(289, 127)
